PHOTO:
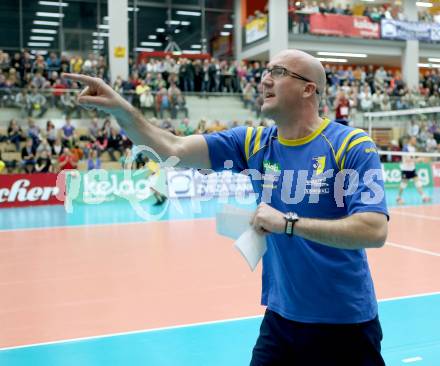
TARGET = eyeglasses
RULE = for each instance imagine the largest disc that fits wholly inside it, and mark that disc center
(278, 72)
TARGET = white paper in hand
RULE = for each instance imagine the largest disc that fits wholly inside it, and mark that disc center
(252, 247)
(232, 221)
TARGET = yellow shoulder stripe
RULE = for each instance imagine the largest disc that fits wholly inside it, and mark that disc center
(345, 142)
(358, 141)
(257, 140)
(353, 144)
(247, 141)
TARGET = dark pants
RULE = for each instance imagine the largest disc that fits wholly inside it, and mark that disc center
(285, 342)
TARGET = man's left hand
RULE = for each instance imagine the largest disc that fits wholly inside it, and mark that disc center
(267, 220)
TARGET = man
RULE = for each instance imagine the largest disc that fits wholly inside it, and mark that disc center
(408, 168)
(316, 282)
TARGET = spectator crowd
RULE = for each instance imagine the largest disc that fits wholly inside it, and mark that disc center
(300, 11)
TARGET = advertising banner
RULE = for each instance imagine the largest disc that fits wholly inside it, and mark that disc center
(343, 26)
(392, 174)
(436, 173)
(256, 29)
(190, 183)
(401, 30)
(99, 185)
(19, 190)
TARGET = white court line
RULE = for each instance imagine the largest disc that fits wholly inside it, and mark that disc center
(412, 249)
(412, 359)
(421, 216)
(182, 326)
(135, 332)
(85, 225)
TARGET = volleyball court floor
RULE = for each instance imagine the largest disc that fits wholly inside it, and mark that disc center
(100, 287)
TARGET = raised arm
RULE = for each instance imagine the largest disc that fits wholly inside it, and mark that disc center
(191, 150)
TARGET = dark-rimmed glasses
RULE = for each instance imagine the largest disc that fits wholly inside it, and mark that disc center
(277, 72)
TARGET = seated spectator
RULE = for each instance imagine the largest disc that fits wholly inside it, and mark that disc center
(184, 128)
(217, 127)
(23, 102)
(366, 99)
(342, 109)
(70, 105)
(94, 129)
(385, 105)
(50, 133)
(57, 147)
(114, 143)
(44, 146)
(28, 156)
(147, 101)
(100, 144)
(34, 132)
(106, 128)
(93, 162)
(68, 133)
(201, 127)
(177, 101)
(67, 160)
(59, 88)
(15, 134)
(43, 163)
(162, 102)
(248, 95)
(77, 152)
(38, 103)
(431, 144)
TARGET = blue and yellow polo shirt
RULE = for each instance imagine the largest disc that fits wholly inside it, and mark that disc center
(303, 280)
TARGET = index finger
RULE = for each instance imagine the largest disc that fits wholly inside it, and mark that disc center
(81, 78)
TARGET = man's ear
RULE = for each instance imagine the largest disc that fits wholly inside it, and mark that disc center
(309, 89)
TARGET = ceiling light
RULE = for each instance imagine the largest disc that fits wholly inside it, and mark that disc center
(49, 15)
(38, 44)
(172, 22)
(190, 13)
(103, 26)
(100, 34)
(38, 38)
(44, 31)
(343, 54)
(185, 22)
(160, 30)
(177, 31)
(45, 22)
(132, 9)
(225, 34)
(39, 52)
(196, 46)
(151, 44)
(431, 59)
(229, 26)
(436, 66)
(423, 4)
(152, 36)
(323, 59)
(106, 19)
(143, 49)
(191, 52)
(53, 3)
(98, 41)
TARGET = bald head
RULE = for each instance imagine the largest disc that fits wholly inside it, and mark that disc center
(306, 65)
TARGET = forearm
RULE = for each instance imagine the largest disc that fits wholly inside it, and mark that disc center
(353, 232)
(142, 132)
